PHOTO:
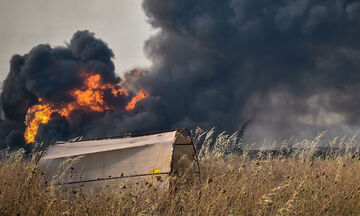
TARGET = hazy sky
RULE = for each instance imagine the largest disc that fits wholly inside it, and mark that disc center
(121, 23)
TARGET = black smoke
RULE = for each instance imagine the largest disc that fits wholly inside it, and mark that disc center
(221, 63)
(50, 73)
(214, 63)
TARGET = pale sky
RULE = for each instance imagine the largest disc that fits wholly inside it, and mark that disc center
(121, 23)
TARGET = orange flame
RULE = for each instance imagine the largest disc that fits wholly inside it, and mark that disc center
(140, 96)
(36, 115)
(89, 97)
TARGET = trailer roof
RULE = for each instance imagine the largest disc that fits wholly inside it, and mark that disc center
(68, 149)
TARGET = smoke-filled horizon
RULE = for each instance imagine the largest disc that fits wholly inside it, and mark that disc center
(294, 63)
(213, 64)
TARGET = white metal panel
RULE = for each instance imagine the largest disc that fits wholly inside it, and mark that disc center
(69, 149)
(141, 160)
(109, 158)
(113, 160)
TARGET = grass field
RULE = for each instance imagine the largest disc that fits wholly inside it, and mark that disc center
(230, 184)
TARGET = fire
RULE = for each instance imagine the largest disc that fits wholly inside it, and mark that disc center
(89, 97)
(141, 95)
(36, 115)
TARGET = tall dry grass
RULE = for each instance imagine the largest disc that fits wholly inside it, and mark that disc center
(229, 184)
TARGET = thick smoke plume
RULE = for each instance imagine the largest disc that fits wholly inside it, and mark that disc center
(285, 65)
(220, 63)
(63, 92)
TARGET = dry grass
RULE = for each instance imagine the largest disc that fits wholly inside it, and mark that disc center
(229, 185)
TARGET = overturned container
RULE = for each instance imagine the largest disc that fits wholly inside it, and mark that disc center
(150, 157)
